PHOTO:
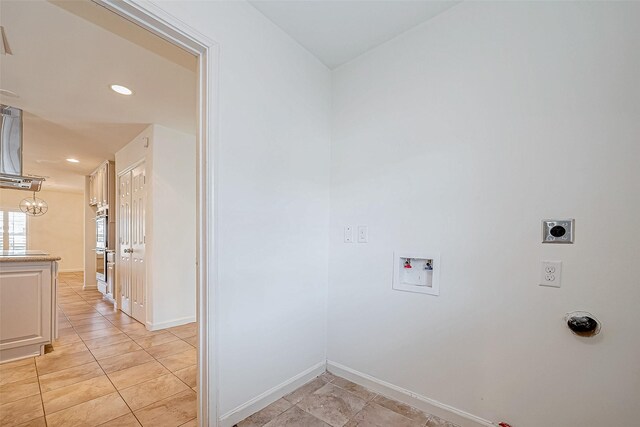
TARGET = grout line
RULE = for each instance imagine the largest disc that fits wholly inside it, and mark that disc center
(91, 303)
(46, 423)
(351, 418)
(44, 414)
(153, 357)
(108, 378)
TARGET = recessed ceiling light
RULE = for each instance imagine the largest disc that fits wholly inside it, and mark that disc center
(73, 160)
(122, 90)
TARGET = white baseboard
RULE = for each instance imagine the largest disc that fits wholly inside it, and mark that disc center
(268, 397)
(170, 323)
(416, 400)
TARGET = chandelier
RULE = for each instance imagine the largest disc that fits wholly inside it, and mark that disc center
(34, 206)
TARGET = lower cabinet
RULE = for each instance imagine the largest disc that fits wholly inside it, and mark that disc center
(28, 318)
(107, 286)
(111, 275)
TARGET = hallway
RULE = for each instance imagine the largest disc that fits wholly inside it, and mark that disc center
(104, 369)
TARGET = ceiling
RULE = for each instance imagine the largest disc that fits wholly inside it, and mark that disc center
(65, 57)
(338, 31)
(67, 53)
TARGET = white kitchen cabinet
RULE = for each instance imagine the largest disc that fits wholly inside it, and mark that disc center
(28, 318)
(111, 271)
(102, 186)
(93, 200)
(99, 185)
(107, 184)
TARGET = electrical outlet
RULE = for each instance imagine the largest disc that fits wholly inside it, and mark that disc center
(558, 230)
(348, 234)
(551, 273)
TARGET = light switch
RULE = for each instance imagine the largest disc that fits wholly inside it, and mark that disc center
(348, 234)
(363, 234)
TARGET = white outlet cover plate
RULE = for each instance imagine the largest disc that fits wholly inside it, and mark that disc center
(400, 285)
(551, 273)
(348, 234)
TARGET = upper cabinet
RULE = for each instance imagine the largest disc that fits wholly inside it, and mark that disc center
(102, 182)
(102, 186)
(92, 190)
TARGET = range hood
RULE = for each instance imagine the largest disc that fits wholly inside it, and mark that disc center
(11, 153)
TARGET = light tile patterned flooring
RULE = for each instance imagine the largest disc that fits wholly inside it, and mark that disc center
(331, 401)
(105, 369)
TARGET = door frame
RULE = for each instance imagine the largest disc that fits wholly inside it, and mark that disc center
(156, 20)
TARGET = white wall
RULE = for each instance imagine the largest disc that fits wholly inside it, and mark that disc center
(461, 136)
(172, 227)
(170, 222)
(134, 152)
(441, 140)
(272, 184)
(59, 231)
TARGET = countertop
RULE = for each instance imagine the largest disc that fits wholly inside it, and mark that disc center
(30, 258)
(27, 256)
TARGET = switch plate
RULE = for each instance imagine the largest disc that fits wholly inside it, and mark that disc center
(550, 273)
(348, 234)
(558, 230)
(363, 234)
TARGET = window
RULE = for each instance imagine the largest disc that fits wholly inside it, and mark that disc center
(13, 231)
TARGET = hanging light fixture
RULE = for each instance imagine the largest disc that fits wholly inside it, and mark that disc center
(34, 206)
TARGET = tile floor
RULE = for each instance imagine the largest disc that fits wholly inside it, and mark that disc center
(105, 369)
(331, 401)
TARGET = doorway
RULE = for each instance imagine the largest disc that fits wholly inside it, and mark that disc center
(90, 331)
(207, 52)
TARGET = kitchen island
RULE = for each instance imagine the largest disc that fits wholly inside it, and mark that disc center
(28, 315)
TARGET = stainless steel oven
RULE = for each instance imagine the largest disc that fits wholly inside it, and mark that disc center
(102, 223)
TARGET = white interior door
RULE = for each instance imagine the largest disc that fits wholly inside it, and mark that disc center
(138, 266)
(124, 231)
